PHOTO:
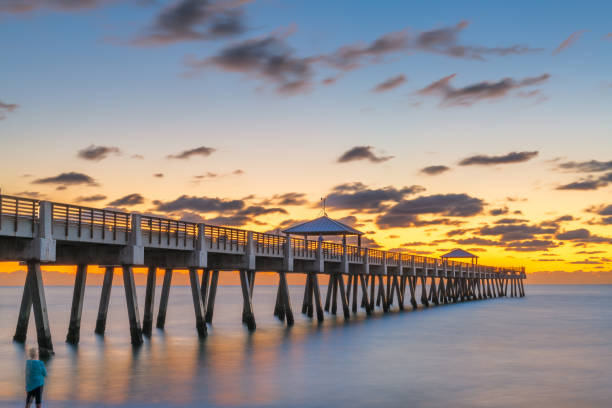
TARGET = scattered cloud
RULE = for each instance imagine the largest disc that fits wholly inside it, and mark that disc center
(199, 204)
(30, 194)
(443, 41)
(359, 197)
(582, 235)
(90, 199)
(434, 170)
(67, 179)
(137, 156)
(588, 183)
(514, 232)
(512, 157)
(97, 153)
(6, 107)
(198, 151)
(406, 212)
(470, 94)
(286, 199)
(24, 6)
(569, 41)
(499, 211)
(390, 83)
(591, 166)
(188, 20)
(128, 200)
(362, 153)
(158, 175)
(267, 58)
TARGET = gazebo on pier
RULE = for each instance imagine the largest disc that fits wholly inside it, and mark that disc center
(460, 253)
(324, 226)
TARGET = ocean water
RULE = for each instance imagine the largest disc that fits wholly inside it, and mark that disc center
(552, 348)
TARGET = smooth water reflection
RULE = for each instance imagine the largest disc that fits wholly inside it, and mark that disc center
(551, 348)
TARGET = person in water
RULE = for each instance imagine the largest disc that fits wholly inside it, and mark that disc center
(35, 378)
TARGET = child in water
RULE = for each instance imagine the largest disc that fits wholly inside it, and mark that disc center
(35, 378)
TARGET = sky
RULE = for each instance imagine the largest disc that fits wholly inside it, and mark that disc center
(428, 125)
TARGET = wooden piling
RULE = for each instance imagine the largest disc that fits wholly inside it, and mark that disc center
(147, 320)
(204, 288)
(411, 285)
(345, 306)
(249, 317)
(317, 297)
(196, 295)
(132, 305)
(163, 300)
(76, 311)
(328, 294)
(383, 296)
(286, 299)
(107, 285)
(372, 291)
(24, 312)
(334, 305)
(212, 293)
(364, 289)
(355, 292)
(39, 304)
(424, 300)
(306, 294)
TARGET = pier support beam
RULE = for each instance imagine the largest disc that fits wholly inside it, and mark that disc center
(364, 289)
(424, 300)
(163, 300)
(104, 300)
(212, 294)
(248, 316)
(132, 305)
(204, 288)
(147, 321)
(317, 296)
(328, 294)
(345, 306)
(39, 303)
(411, 285)
(285, 299)
(24, 312)
(196, 295)
(74, 329)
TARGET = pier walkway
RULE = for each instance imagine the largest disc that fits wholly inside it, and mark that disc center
(43, 232)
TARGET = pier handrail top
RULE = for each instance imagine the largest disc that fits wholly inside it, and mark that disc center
(280, 238)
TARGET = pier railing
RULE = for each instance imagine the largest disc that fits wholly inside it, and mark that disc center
(20, 217)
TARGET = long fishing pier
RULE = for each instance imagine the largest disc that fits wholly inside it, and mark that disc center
(43, 232)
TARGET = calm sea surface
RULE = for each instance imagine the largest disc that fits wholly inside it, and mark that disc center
(552, 348)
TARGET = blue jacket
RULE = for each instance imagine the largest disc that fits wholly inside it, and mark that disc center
(35, 374)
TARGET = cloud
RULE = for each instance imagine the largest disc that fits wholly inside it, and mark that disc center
(6, 107)
(358, 196)
(589, 183)
(514, 232)
(406, 212)
(198, 151)
(286, 199)
(199, 204)
(90, 199)
(434, 170)
(67, 179)
(268, 58)
(510, 221)
(97, 153)
(24, 6)
(499, 211)
(188, 20)
(512, 157)
(128, 200)
(31, 194)
(591, 166)
(362, 153)
(158, 175)
(530, 245)
(582, 235)
(569, 41)
(390, 83)
(444, 41)
(479, 91)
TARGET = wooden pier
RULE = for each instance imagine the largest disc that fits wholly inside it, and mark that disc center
(43, 232)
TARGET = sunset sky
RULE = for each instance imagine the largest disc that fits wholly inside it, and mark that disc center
(481, 125)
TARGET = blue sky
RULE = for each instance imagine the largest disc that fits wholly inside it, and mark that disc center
(78, 79)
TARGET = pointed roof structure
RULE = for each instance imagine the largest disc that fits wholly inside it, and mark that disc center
(458, 253)
(322, 226)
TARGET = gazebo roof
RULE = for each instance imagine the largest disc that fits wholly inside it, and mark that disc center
(322, 226)
(458, 253)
